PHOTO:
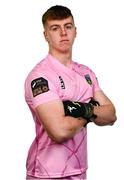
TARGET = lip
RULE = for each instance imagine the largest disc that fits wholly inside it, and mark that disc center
(64, 40)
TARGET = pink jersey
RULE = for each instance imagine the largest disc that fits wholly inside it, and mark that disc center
(50, 80)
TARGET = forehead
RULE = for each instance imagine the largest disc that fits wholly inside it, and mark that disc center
(68, 20)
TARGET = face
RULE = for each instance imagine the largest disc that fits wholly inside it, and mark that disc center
(60, 34)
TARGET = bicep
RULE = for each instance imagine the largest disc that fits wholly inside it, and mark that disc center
(50, 114)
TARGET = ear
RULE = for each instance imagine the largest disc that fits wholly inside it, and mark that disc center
(45, 35)
(75, 31)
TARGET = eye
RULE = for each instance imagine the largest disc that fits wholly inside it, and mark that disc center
(69, 26)
(54, 28)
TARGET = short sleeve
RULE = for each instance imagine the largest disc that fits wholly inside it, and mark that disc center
(40, 90)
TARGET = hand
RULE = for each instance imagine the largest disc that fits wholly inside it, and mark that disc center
(78, 109)
(94, 103)
(83, 110)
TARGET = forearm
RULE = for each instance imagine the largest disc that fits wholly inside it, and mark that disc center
(73, 125)
(105, 115)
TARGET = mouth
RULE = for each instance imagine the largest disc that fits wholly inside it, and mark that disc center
(64, 40)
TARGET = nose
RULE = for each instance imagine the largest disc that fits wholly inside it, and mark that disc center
(63, 31)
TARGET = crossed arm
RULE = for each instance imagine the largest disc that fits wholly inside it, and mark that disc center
(106, 113)
(61, 128)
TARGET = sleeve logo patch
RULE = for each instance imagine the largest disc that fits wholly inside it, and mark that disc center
(39, 86)
(62, 82)
(88, 79)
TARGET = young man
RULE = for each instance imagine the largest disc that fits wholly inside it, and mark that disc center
(63, 97)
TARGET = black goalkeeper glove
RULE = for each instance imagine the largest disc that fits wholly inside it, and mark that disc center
(94, 102)
(78, 109)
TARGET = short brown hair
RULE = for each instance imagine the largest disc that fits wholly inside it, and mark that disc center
(57, 12)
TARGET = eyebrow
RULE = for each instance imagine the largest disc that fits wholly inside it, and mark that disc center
(60, 25)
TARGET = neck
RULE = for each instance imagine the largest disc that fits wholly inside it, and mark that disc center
(65, 58)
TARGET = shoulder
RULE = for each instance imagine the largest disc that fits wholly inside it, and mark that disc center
(41, 69)
(83, 68)
(41, 75)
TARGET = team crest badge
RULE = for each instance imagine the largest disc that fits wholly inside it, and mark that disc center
(88, 79)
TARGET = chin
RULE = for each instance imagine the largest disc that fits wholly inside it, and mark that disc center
(65, 51)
